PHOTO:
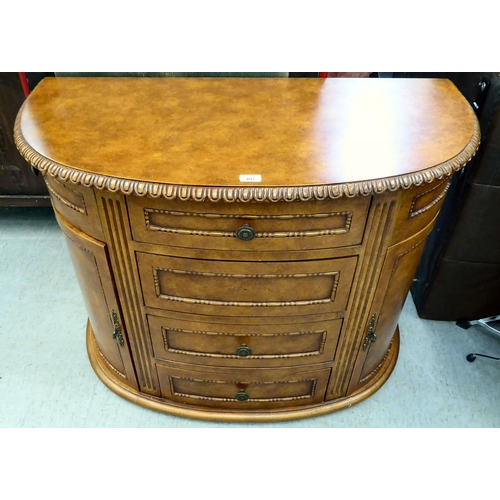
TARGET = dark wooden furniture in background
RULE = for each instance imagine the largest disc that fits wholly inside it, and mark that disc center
(458, 278)
(245, 247)
(18, 185)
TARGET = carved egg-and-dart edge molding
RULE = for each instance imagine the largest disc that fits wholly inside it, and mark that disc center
(243, 194)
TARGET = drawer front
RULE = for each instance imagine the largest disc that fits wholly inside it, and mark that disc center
(277, 226)
(243, 389)
(245, 288)
(77, 204)
(248, 344)
(418, 208)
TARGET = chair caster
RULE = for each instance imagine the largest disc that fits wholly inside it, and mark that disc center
(470, 358)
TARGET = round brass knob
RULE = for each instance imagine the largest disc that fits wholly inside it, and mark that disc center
(242, 395)
(245, 233)
(243, 350)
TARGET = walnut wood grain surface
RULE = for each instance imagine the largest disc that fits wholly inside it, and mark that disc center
(140, 135)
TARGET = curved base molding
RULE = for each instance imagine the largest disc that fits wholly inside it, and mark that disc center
(114, 383)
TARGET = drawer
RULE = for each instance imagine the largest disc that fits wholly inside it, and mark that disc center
(77, 204)
(243, 389)
(245, 288)
(249, 343)
(418, 208)
(277, 226)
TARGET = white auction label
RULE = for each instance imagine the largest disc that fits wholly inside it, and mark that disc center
(250, 178)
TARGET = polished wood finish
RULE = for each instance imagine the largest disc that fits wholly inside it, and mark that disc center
(240, 289)
(91, 263)
(265, 388)
(75, 204)
(218, 341)
(185, 138)
(294, 226)
(300, 319)
(276, 414)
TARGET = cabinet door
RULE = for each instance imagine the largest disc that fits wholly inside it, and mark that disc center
(94, 276)
(399, 267)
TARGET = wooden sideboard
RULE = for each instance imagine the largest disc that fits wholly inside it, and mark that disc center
(245, 246)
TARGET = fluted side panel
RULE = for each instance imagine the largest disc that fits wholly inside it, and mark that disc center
(128, 288)
(359, 310)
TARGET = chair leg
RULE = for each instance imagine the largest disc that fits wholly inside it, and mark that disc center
(488, 324)
(472, 357)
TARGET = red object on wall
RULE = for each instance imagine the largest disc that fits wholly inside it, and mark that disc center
(323, 75)
(24, 83)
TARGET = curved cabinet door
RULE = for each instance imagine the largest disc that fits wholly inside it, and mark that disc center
(94, 276)
(399, 267)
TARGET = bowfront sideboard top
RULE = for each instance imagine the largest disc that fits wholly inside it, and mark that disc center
(245, 247)
(196, 138)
